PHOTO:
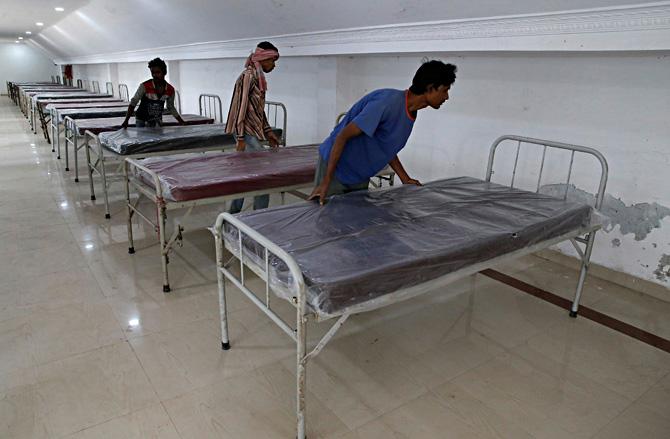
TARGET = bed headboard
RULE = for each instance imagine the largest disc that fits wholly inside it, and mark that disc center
(545, 145)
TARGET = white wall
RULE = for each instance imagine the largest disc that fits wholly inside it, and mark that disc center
(23, 63)
(618, 103)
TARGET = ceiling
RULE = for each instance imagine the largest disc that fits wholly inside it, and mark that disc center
(106, 26)
(19, 16)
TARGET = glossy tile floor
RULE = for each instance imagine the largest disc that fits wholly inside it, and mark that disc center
(90, 347)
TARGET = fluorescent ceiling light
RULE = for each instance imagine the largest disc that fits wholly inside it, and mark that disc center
(59, 9)
(28, 32)
(20, 38)
(39, 23)
(17, 41)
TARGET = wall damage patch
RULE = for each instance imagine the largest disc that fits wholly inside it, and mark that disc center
(662, 273)
(639, 219)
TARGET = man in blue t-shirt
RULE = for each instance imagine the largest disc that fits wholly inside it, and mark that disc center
(375, 129)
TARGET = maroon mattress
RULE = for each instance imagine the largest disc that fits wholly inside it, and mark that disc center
(198, 176)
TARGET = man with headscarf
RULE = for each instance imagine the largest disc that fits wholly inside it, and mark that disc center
(246, 117)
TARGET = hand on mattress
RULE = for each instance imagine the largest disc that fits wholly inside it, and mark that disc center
(319, 193)
(241, 145)
(413, 181)
(272, 139)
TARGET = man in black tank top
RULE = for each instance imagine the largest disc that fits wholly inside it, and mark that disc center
(153, 95)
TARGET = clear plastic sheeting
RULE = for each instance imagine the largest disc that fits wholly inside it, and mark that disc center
(86, 113)
(102, 124)
(36, 97)
(145, 140)
(364, 245)
(81, 103)
(198, 176)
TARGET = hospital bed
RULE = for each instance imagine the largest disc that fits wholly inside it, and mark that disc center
(115, 147)
(190, 180)
(367, 250)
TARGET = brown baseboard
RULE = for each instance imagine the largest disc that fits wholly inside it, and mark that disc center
(625, 280)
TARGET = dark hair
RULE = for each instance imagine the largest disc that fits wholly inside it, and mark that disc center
(433, 73)
(267, 46)
(157, 62)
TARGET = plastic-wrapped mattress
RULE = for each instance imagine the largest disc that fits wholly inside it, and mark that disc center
(146, 140)
(364, 245)
(87, 113)
(198, 176)
(103, 124)
(49, 105)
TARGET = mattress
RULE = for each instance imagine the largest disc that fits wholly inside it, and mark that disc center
(197, 176)
(36, 97)
(49, 105)
(364, 245)
(86, 113)
(146, 140)
(103, 124)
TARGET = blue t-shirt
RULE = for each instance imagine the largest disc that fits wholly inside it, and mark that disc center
(386, 124)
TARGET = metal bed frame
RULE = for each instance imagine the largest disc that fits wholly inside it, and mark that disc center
(207, 106)
(109, 88)
(35, 108)
(97, 156)
(71, 135)
(298, 332)
(54, 128)
(123, 93)
(96, 86)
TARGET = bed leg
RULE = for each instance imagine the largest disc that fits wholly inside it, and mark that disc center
(164, 250)
(586, 260)
(131, 244)
(301, 371)
(67, 156)
(89, 168)
(53, 134)
(58, 143)
(221, 281)
(104, 185)
(76, 161)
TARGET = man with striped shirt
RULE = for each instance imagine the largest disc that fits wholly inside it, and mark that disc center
(246, 117)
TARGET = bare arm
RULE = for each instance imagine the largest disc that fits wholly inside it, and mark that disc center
(173, 110)
(350, 131)
(399, 169)
(133, 103)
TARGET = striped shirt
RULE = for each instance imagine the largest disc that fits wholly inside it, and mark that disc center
(247, 107)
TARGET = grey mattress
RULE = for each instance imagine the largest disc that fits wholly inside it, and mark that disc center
(146, 140)
(364, 245)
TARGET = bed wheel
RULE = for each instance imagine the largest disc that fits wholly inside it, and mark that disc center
(92, 197)
(166, 288)
(225, 346)
(67, 169)
(76, 180)
(108, 216)
(131, 250)
(58, 157)
(573, 314)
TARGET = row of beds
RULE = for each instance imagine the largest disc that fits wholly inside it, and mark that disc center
(360, 252)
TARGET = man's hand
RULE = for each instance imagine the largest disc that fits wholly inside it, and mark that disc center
(320, 192)
(412, 181)
(272, 139)
(241, 145)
